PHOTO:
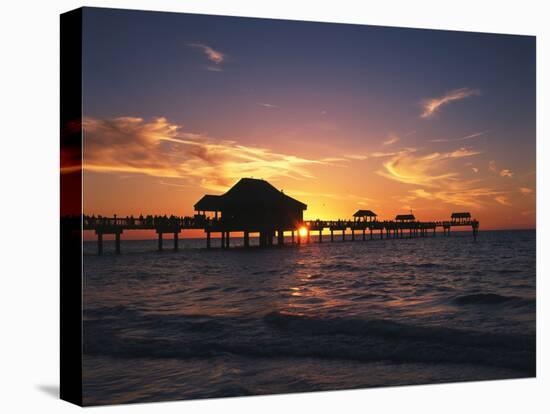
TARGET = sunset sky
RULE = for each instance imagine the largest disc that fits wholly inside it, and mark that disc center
(340, 117)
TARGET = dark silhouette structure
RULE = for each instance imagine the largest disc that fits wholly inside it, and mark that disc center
(405, 217)
(460, 217)
(255, 206)
(252, 206)
(364, 215)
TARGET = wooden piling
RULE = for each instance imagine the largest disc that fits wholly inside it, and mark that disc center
(99, 243)
(392, 229)
(280, 237)
(117, 242)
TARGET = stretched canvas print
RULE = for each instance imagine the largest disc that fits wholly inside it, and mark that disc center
(257, 206)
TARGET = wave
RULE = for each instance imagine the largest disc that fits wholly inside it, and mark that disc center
(287, 335)
(492, 299)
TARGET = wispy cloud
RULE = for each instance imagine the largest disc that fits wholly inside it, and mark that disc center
(159, 148)
(457, 193)
(377, 154)
(465, 138)
(267, 105)
(215, 56)
(502, 200)
(392, 139)
(506, 173)
(436, 180)
(525, 190)
(426, 170)
(493, 166)
(433, 105)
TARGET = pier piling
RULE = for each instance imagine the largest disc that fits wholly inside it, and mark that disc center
(395, 229)
(99, 244)
(160, 241)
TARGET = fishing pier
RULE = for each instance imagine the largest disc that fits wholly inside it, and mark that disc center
(255, 207)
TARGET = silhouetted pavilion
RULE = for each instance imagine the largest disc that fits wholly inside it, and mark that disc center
(405, 217)
(253, 205)
(461, 217)
(365, 215)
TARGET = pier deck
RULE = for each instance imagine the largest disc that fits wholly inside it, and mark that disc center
(358, 229)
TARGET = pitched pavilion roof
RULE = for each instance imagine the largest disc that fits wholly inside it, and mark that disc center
(460, 215)
(364, 213)
(249, 192)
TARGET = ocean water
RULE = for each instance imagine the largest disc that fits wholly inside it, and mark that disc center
(203, 323)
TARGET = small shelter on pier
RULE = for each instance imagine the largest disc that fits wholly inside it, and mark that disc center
(364, 215)
(405, 218)
(461, 217)
(253, 205)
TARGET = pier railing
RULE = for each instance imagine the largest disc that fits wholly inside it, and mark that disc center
(175, 224)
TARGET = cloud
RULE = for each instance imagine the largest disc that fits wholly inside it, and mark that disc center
(432, 106)
(267, 105)
(211, 68)
(162, 149)
(525, 190)
(492, 166)
(213, 55)
(391, 140)
(459, 193)
(377, 154)
(426, 170)
(506, 173)
(467, 137)
(476, 170)
(435, 178)
(503, 200)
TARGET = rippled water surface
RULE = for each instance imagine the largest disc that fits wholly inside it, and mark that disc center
(198, 323)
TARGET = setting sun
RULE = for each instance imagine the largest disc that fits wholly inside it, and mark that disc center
(302, 232)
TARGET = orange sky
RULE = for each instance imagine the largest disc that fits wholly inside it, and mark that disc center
(155, 167)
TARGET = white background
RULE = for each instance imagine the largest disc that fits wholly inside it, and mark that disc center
(29, 193)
